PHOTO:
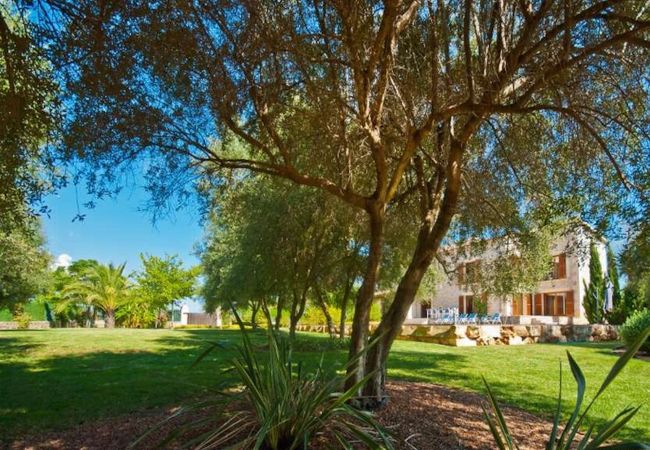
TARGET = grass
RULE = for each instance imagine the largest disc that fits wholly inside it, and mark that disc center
(52, 379)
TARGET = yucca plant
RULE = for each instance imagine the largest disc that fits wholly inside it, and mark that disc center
(280, 406)
(569, 437)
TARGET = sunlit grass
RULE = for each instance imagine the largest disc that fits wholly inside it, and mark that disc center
(60, 378)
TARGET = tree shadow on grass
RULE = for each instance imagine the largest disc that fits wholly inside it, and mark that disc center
(64, 391)
(11, 346)
(59, 391)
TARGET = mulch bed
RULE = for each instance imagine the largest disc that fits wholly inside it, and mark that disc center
(422, 416)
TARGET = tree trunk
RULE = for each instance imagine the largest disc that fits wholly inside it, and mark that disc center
(374, 392)
(110, 319)
(278, 313)
(297, 310)
(344, 306)
(361, 318)
(255, 307)
(429, 238)
(326, 312)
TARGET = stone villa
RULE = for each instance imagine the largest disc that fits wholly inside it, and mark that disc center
(555, 300)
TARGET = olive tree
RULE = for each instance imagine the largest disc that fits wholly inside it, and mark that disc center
(473, 114)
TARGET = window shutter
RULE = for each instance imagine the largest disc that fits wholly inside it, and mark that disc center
(516, 305)
(461, 274)
(461, 305)
(527, 305)
(537, 307)
(570, 309)
(562, 266)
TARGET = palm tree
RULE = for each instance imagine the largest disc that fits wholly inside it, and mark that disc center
(104, 287)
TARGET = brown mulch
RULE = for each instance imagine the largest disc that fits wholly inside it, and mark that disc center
(429, 417)
(421, 416)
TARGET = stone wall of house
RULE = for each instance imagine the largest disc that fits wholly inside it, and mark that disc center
(477, 335)
(33, 325)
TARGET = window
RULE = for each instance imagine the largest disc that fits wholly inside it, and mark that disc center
(558, 270)
(554, 304)
(522, 305)
(469, 273)
(466, 304)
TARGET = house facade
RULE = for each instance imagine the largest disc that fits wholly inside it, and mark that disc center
(557, 299)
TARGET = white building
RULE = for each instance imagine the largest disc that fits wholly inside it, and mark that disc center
(558, 299)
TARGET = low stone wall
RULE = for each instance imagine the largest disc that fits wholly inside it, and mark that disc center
(477, 335)
(473, 335)
(33, 325)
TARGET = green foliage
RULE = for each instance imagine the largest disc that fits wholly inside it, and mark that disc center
(102, 286)
(160, 282)
(30, 118)
(35, 309)
(270, 243)
(22, 319)
(635, 264)
(627, 305)
(68, 308)
(24, 265)
(634, 327)
(283, 407)
(594, 300)
(517, 263)
(566, 439)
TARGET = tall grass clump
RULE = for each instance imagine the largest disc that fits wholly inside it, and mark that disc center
(281, 406)
(569, 438)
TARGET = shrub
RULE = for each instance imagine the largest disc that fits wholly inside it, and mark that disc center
(594, 300)
(634, 326)
(565, 439)
(280, 406)
(22, 320)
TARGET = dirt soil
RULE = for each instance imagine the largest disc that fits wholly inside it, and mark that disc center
(421, 416)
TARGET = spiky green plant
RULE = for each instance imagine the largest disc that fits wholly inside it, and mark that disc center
(568, 438)
(281, 406)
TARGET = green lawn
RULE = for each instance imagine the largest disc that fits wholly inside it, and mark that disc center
(58, 378)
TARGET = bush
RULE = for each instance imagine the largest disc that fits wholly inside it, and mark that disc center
(634, 326)
(22, 320)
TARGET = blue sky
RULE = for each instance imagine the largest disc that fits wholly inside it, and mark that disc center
(116, 230)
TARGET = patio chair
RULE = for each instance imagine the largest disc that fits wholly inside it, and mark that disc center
(484, 318)
(472, 318)
(495, 319)
(462, 318)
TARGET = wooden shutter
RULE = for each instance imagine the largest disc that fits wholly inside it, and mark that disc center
(527, 304)
(516, 305)
(537, 307)
(461, 274)
(469, 304)
(570, 309)
(461, 305)
(562, 266)
(558, 306)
